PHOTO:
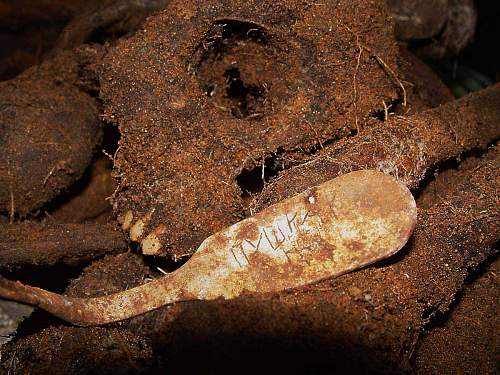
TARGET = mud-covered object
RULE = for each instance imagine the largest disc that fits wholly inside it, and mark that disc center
(418, 19)
(208, 89)
(48, 131)
(364, 322)
(34, 244)
(442, 27)
(457, 34)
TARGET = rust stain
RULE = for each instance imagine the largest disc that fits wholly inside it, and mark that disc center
(248, 231)
(354, 245)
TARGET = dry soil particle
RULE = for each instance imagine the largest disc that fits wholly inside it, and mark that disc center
(208, 89)
(48, 130)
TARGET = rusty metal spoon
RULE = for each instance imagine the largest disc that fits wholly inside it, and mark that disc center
(337, 227)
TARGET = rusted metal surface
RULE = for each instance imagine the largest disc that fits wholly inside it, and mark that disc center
(326, 231)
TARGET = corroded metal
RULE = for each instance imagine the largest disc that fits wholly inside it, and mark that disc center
(326, 231)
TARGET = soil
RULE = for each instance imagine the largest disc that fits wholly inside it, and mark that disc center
(88, 200)
(364, 321)
(472, 324)
(217, 104)
(40, 244)
(49, 129)
(200, 99)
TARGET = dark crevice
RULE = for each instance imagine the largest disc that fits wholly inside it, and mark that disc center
(319, 146)
(110, 139)
(159, 264)
(245, 97)
(233, 64)
(391, 108)
(223, 35)
(103, 34)
(252, 181)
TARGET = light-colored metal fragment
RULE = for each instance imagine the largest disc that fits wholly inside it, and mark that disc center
(340, 226)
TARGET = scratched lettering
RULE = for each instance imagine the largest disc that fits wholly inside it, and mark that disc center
(243, 252)
(291, 221)
(235, 258)
(275, 237)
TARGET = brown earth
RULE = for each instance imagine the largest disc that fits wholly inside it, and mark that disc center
(368, 321)
(466, 342)
(89, 200)
(30, 244)
(202, 103)
(48, 131)
(208, 90)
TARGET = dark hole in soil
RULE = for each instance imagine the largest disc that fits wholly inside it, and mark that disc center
(54, 278)
(245, 98)
(391, 108)
(252, 181)
(160, 264)
(235, 64)
(101, 35)
(110, 139)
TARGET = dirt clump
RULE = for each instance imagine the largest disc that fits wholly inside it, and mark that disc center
(48, 132)
(473, 323)
(33, 244)
(207, 90)
(112, 274)
(89, 200)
